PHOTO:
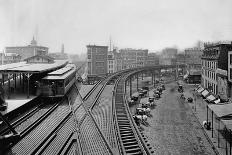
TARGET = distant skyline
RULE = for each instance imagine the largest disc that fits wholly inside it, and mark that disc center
(147, 24)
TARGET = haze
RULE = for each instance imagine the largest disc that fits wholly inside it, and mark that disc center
(150, 24)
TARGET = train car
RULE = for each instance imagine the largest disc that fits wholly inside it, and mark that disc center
(57, 83)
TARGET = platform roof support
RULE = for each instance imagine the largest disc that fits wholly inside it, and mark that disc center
(9, 87)
(15, 77)
(137, 76)
(28, 75)
(130, 86)
(3, 80)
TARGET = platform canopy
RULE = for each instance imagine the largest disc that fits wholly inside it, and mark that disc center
(23, 67)
(221, 110)
(228, 124)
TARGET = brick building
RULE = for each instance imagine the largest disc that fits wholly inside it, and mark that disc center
(97, 59)
(28, 51)
(152, 59)
(132, 58)
(168, 56)
(215, 68)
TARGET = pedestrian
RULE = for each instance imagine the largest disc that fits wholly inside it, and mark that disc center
(53, 88)
(136, 120)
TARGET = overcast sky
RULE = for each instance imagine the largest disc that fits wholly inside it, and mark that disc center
(150, 24)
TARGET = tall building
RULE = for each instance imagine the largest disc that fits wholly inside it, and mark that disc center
(97, 59)
(152, 59)
(118, 60)
(168, 56)
(215, 68)
(132, 58)
(193, 58)
(28, 51)
(111, 62)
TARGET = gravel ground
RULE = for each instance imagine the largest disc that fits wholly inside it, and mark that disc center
(173, 129)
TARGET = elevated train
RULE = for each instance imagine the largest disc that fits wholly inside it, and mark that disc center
(58, 83)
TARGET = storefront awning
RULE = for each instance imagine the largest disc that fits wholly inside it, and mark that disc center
(221, 110)
(199, 90)
(217, 101)
(205, 93)
(210, 98)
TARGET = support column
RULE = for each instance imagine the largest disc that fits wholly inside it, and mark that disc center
(14, 75)
(212, 124)
(218, 133)
(9, 76)
(130, 87)
(142, 75)
(20, 79)
(137, 81)
(152, 78)
(125, 86)
(230, 140)
(23, 81)
(3, 80)
(9, 86)
(28, 84)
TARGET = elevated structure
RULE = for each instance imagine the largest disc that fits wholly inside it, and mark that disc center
(33, 69)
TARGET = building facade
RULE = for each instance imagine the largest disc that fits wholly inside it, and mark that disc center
(152, 59)
(111, 62)
(97, 59)
(168, 56)
(7, 58)
(28, 51)
(118, 60)
(215, 68)
(193, 58)
(132, 58)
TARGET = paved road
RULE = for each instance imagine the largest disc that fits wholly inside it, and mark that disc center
(174, 129)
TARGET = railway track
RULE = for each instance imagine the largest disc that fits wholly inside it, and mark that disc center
(71, 127)
(25, 124)
(129, 138)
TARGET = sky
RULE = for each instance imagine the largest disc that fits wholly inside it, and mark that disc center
(147, 24)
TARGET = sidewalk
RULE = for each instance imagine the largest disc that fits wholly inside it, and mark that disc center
(200, 111)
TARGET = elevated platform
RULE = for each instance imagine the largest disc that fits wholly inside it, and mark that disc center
(13, 104)
(16, 103)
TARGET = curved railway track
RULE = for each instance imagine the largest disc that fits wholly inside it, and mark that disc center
(73, 125)
(130, 140)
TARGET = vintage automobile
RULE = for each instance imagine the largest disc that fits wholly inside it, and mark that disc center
(180, 89)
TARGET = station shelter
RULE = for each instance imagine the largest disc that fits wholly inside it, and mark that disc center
(23, 77)
(220, 118)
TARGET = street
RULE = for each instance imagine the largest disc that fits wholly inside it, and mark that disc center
(173, 129)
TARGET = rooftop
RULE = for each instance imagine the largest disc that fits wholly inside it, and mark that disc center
(23, 67)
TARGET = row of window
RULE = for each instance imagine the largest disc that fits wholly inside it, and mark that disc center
(209, 64)
(209, 74)
(211, 86)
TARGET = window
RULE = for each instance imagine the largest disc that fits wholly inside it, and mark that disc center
(230, 73)
(89, 56)
(231, 59)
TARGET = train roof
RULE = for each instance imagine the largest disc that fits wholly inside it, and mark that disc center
(62, 73)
